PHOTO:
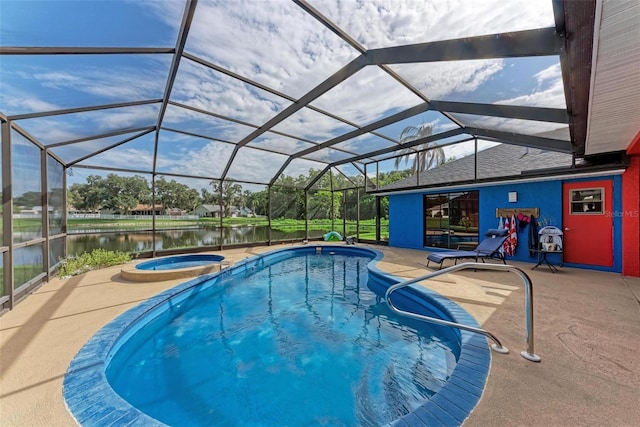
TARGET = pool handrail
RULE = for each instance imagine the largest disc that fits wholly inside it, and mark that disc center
(498, 347)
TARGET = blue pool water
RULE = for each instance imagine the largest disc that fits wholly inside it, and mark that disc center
(179, 261)
(300, 341)
(92, 400)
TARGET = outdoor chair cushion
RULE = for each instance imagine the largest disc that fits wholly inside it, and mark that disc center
(488, 248)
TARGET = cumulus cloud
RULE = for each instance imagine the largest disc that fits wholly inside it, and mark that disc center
(385, 23)
(548, 93)
(205, 125)
(279, 143)
(255, 165)
(285, 49)
(355, 100)
(209, 90)
(553, 73)
(449, 80)
(312, 125)
(205, 158)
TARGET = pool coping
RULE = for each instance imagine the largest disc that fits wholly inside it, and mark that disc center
(136, 274)
(91, 400)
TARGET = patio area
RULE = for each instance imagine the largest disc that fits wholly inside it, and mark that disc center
(587, 325)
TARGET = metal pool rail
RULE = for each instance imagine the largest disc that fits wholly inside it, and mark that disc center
(498, 347)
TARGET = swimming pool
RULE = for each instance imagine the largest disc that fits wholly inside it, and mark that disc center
(179, 261)
(396, 363)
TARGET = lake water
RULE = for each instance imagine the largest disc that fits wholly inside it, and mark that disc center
(142, 241)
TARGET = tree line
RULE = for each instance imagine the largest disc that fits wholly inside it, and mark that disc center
(288, 201)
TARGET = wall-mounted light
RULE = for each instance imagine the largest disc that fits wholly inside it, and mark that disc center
(513, 196)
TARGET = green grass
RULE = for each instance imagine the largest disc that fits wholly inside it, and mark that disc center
(21, 275)
(276, 224)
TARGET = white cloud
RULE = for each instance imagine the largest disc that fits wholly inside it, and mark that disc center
(283, 47)
(278, 45)
(526, 127)
(552, 97)
(311, 125)
(467, 148)
(299, 167)
(439, 80)
(124, 158)
(27, 102)
(280, 144)
(553, 73)
(209, 90)
(385, 23)
(255, 165)
(208, 159)
(549, 93)
(355, 100)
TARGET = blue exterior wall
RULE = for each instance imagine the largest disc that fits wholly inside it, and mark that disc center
(406, 226)
(544, 195)
(406, 221)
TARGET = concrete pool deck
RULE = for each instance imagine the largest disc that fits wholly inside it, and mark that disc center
(587, 329)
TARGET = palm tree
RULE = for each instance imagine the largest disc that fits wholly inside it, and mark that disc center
(427, 157)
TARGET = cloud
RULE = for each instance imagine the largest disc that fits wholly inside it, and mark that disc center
(354, 100)
(280, 143)
(467, 148)
(385, 23)
(204, 88)
(447, 80)
(550, 73)
(549, 93)
(255, 165)
(525, 127)
(285, 49)
(55, 129)
(313, 126)
(27, 102)
(89, 80)
(202, 124)
(192, 156)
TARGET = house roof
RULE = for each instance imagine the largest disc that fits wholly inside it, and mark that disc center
(141, 207)
(503, 160)
(210, 208)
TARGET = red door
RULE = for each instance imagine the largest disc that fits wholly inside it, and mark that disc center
(588, 222)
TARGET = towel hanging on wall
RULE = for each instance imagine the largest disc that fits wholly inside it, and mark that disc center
(533, 236)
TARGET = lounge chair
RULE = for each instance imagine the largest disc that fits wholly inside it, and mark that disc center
(488, 248)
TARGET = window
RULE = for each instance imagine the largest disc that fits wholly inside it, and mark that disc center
(451, 220)
(588, 201)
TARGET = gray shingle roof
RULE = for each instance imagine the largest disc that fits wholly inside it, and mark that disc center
(504, 160)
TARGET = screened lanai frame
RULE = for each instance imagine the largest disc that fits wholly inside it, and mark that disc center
(355, 139)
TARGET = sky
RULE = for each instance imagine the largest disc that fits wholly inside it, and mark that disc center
(271, 43)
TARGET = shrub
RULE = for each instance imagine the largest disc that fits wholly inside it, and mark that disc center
(98, 258)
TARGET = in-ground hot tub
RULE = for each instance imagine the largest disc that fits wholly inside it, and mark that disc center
(175, 267)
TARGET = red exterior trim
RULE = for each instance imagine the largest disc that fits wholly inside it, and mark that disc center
(631, 214)
(634, 147)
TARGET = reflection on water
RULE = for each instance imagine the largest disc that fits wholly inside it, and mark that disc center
(142, 241)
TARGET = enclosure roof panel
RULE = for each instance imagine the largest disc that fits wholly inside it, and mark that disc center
(281, 85)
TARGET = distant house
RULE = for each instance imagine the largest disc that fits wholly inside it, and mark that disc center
(146, 210)
(208, 211)
(175, 212)
(440, 211)
(235, 212)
